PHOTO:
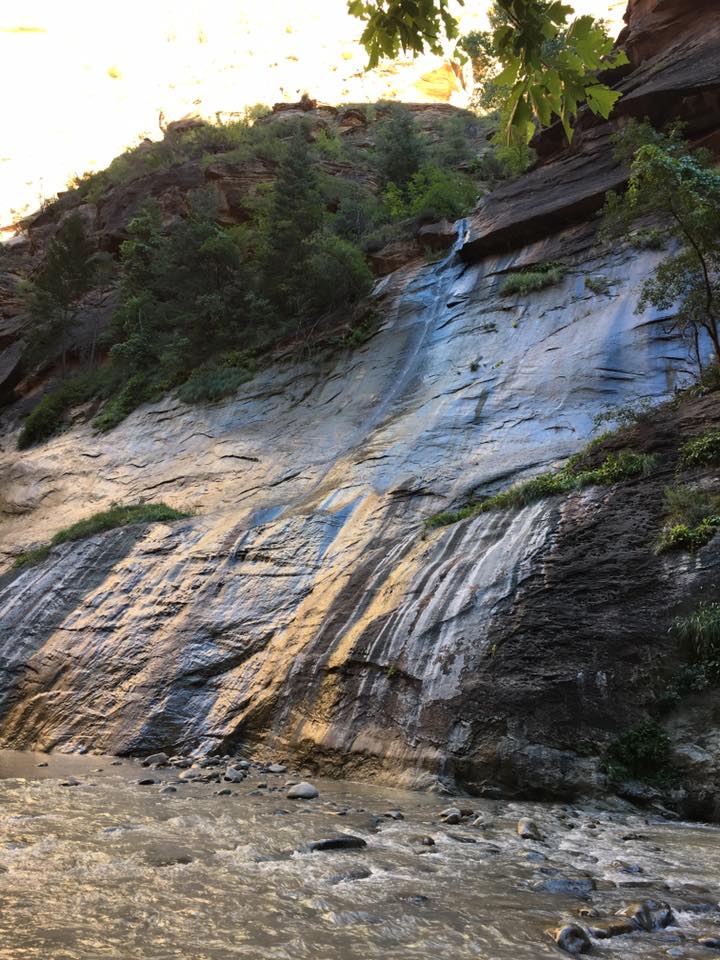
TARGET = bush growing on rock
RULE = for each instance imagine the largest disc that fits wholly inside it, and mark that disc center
(643, 751)
(699, 635)
(435, 193)
(614, 469)
(692, 518)
(116, 516)
(681, 186)
(49, 415)
(530, 281)
(701, 450)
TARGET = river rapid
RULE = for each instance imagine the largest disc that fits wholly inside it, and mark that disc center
(109, 868)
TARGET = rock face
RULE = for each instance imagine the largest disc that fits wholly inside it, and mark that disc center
(304, 610)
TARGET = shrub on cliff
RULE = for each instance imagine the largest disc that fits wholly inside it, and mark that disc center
(692, 518)
(699, 636)
(116, 516)
(336, 274)
(435, 193)
(530, 281)
(615, 468)
(680, 186)
(701, 450)
(399, 148)
(643, 751)
(49, 415)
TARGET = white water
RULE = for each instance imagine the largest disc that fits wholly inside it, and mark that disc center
(110, 869)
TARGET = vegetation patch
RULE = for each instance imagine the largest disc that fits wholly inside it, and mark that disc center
(642, 751)
(614, 469)
(692, 519)
(701, 450)
(699, 636)
(116, 516)
(529, 281)
(50, 414)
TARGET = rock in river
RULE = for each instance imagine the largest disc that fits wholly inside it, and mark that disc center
(571, 938)
(528, 829)
(342, 841)
(302, 791)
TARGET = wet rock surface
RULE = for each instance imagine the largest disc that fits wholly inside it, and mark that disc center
(303, 611)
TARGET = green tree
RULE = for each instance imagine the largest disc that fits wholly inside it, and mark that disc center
(681, 189)
(438, 193)
(399, 149)
(294, 214)
(64, 279)
(543, 82)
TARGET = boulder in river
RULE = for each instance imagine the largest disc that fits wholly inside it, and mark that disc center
(233, 775)
(572, 938)
(342, 841)
(451, 815)
(159, 759)
(614, 927)
(302, 791)
(648, 914)
(528, 829)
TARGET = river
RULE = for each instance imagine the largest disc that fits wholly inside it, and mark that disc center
(109, 868)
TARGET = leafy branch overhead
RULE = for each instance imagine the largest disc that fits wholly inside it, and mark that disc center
(548, 66)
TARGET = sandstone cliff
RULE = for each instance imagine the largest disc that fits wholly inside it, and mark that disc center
(304, 609)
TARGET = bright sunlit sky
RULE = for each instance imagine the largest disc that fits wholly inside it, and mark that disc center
(83, 79)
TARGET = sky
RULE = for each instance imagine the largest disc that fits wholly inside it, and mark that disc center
(84, 79)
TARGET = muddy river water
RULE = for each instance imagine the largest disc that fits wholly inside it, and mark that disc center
(109, 868)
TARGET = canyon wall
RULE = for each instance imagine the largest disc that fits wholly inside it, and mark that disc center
(304, 608)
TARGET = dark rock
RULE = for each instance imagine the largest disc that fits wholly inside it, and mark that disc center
(155, 758)
(361, 873)
(343, 841)
(648, 914)
(571, 938)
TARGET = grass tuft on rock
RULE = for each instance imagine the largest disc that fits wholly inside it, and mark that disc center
(530, 281)
(116, 516)
(614, 469)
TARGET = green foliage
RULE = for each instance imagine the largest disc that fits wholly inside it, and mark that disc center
(357, 215)
(701, 450)
(336, 274)
(671, 182)
(598, 285)
(530, 281)
(435, 193)
(49, 415)
(699, 636)
(399, 148)
(295, 213)
(615, 468)
(643, 751)
(116, 516)
(219, 378)
(681, 536)
(64, 278)
(407, 25)
(692, 518)
(545, 78)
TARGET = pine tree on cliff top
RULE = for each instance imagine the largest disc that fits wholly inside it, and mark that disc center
(295, 214)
